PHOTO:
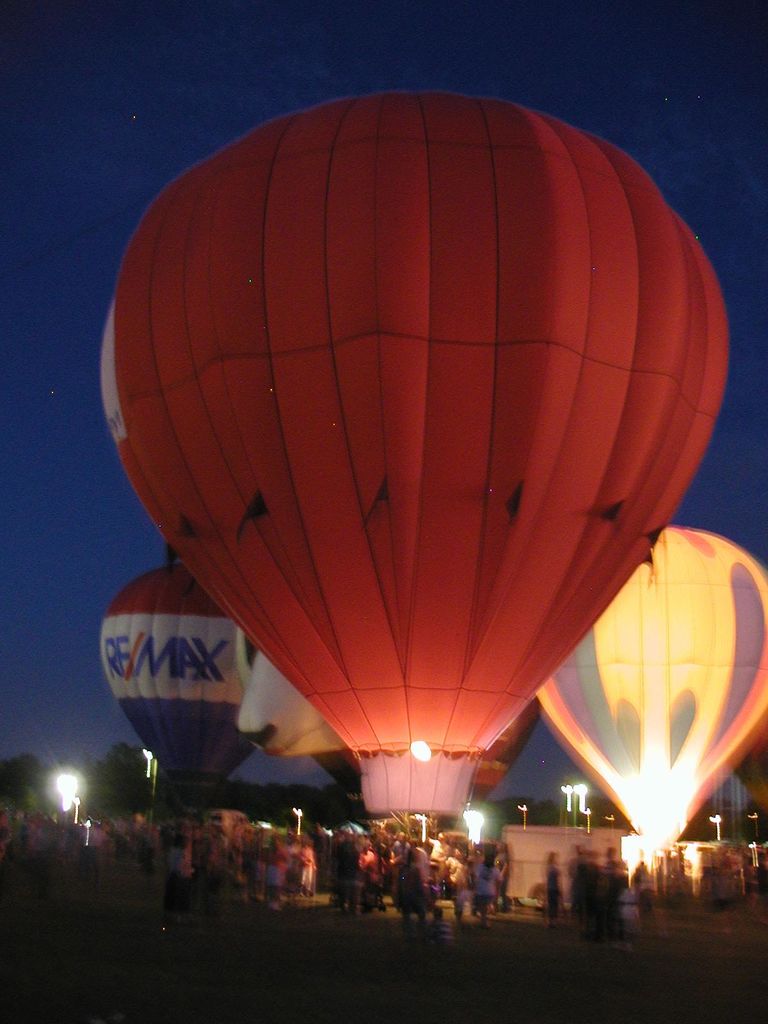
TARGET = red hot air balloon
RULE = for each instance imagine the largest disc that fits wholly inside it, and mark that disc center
(168, 653)
(411, 381)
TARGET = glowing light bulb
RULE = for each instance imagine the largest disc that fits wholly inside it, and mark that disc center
(421, 750)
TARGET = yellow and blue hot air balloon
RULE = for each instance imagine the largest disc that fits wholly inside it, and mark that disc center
(670, 683)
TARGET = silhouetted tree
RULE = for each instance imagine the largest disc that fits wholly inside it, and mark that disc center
(23, 783)
(118, 786)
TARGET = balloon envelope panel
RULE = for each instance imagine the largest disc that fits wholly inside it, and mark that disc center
(412, 381)
(671, 682)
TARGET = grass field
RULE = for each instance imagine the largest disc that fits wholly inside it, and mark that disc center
(85, 955)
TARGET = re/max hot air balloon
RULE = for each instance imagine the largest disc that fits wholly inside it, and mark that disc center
(168, 653)
(412, 382)
(671, 682)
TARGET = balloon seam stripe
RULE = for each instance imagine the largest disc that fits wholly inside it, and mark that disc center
(472, 633)
(456, 144)
(331, 347)
(399, 642)
(289, 123)
(186, 379)
(408, 640)
(270, 357)
(555, 597)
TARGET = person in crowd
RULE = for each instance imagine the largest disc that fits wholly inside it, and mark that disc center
(504, 866)
(146, 842)
(554, 891)
(593, 882)
(642, 883)
(308, 860)
(251, 864)
(577, 873)
(213, 868)
(725, 887)
(39, 845)
(413, 892)
(487, 883)
(628, 913)
(348, 874)
(293, 871)
(369, 863)
(460, 883)
(277, 863)
(398, 866)
(177, 895)
(449, 872)
(614, 881)
(438, 854)
(382, 844)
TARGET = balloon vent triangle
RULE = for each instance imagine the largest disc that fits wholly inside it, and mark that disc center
(513, 501)
(612, 512)
(256, 508)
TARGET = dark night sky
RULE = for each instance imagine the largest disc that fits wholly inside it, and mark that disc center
(103, 103)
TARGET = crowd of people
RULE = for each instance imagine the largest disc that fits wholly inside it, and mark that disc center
(437, 885)
(610, 902)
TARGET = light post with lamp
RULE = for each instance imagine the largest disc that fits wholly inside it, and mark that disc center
(754, 817)
(152, 775)
(523, 808)
(716, 819)
(568, 790)
(581, 792)
(299, 813)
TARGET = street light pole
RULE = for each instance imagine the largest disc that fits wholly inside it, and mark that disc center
(581, 792)
(152, 775)
(568, 790)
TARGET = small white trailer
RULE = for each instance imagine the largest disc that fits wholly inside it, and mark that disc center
(528, 849)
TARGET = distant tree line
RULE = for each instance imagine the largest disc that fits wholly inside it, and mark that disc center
(117, 786)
